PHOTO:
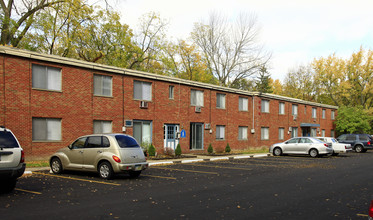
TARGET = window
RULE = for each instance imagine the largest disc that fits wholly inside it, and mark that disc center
(323, 113)
(46, 129)
(242, 133)
(142, 132)
(313, 112)
(196, 97)
(313, 132)
(100, 127)
(294, 109)
(332, 133)
(323, 132)
(264, 133)
(102, 85)
(294, 132)
(46, 77)
(305, 109)
(220, 132)
(171, 92)
(281, 133)
(142, 90)
(333, 115)
(243, 104)
(265, 106)
(79, 143)
(281, 108)
(220, 100)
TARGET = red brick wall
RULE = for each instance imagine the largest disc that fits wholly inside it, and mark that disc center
(78, 107)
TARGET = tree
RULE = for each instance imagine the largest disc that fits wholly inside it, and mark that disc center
(299, 84)
(353, 120)
(263, 80)
(277, 87)
(17, 18)
(230, 50)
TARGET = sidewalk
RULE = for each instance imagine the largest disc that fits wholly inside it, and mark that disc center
(198, 158)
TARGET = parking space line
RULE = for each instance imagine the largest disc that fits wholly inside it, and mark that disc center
(192, 171)
(78, 179)
(233, 168)
(162, 177)
(28, 191)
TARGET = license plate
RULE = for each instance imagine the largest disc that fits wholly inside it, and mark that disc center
(138, 167)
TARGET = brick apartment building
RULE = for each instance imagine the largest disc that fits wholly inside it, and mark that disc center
(49, 101)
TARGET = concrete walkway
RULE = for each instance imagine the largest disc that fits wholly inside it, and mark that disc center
(198, 158)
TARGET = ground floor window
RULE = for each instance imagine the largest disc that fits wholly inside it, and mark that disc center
(46, 129)
(323, 132)
(265, 133)
(100, 127)
(142, 132)
(332, 133)
(281, 132)
(220, 132)
(294, 132)
(313, 132)
(242, 133)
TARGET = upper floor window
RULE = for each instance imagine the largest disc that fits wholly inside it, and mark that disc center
(46, 77)
(323, 113)
(243, 104)
(294, 109)
(265, 106)
(196, 97)
(220, 100)
(102, 85)
(171, 92)
(142, 90)
(46, 129)
(314, 113)
(281, 108)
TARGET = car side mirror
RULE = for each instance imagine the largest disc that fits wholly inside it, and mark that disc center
(286, 142)
(70, 147)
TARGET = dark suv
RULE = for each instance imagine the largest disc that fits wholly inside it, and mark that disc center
(359, 142)
(12, 160)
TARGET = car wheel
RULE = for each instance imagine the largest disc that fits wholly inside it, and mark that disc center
(135, 173)
(56, 166)
(277, 151)
(105, 170)
(335, 154)
(313, 153)
(359, 149)
(8, 185)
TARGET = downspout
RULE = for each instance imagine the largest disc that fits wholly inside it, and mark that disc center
(253, 113)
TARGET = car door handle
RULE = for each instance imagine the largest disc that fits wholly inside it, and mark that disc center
(81, 151)
(99, 151)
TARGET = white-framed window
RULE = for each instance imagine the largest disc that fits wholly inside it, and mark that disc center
(281, 108)
(100, 126)
(220, 100)
(314, 114)
(294, 109)
(264, 135)
(142, 132)
(242, 133)
(294, 132)
(265, 106)
(333, 115)
(196, 97)
(46, 77)
(102, 85)
(323, 113)
(142, 90)
(220, 132)
(46, 129)
(313, 132)
(171, 92)
(281, 133)
(243, 104)
(323, 132)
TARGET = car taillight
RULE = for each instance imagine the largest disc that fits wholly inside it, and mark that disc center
(116, 159)
(368, 142)
(326, 145)
(22, 157)
(371, 209)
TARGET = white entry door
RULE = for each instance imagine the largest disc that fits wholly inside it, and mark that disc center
(170, 136)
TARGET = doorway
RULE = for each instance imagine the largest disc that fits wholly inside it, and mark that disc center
(196, 136)
(170, 136)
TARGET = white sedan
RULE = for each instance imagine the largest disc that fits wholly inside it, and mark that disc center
(302, 145)
(337, 147)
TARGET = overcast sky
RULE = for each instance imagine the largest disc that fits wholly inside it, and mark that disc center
(294, 31)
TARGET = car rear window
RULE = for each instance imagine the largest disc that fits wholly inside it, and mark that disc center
(7, 140)
(126, 141)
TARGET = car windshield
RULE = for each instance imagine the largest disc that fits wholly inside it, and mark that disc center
(7, 140)
(126, 141)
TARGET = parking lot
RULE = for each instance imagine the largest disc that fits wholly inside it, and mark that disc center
(286, 187)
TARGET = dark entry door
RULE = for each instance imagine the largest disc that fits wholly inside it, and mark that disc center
(196, 136)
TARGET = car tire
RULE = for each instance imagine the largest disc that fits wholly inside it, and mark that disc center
(8, 185)
(313, 153)
(359, 149)
(56, 166)
(335, 154)
(134, 174)
(277, 151)
(105, 170)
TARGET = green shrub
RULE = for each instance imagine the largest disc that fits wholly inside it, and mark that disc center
(178, 150)
(210, 150)
(151, 150)
(227, 149)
